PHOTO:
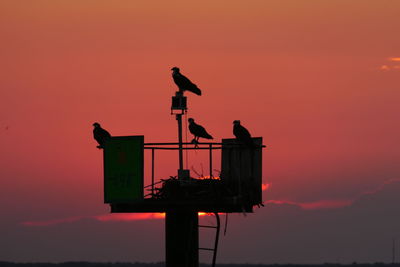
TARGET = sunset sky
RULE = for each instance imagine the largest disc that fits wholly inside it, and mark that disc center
(318, 80)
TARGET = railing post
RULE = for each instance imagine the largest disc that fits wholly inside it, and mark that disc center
(152, 172)
(210, 161)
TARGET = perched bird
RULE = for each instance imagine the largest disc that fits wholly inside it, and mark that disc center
(198, 131)
(242, 134)
(100, 135)
(184, 83)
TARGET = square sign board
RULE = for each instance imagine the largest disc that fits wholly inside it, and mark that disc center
(241, 168)
(123, 169)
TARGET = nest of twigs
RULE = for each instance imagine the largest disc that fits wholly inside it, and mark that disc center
(173, 189)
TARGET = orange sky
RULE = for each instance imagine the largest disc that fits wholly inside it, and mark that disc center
(319, 80)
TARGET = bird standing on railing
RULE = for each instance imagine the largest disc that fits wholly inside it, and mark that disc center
(183, 83)
(100, 135)
(242, 134)
(198, 131)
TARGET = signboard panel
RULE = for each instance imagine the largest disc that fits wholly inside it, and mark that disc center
(241, 168)
(123, 169)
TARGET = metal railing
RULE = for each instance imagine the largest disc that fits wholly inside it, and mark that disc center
(175, 146)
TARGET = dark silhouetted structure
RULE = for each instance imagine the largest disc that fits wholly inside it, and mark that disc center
(100, 135)
(183, 83)
(242, 134)
(237, 188)
(198, 131)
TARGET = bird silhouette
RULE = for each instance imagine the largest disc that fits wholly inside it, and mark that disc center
(198, 131)
(183, 83)
(100, 135)
(242, 134)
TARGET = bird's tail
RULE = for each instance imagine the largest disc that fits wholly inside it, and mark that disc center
(209, 137)
(195, 90)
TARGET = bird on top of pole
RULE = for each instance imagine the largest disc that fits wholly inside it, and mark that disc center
(183, 83)
(100, 135)
(198, 131)
(242, 134)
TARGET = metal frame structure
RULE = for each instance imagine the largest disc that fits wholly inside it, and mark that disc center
(181, 222)
(162, 146)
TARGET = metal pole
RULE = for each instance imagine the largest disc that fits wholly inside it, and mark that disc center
(181, 239)
(211, 161)
(179, 119)
(181, 227)
(152, 172)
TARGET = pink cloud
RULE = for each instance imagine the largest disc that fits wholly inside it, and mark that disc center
(326, 204)
(101, 218)
(122, 217)
(380, 188)
(315, 205)
(51, 222)
(129, 217)
(332, 203)
(321, 204)
(392, 65)
(385, 67)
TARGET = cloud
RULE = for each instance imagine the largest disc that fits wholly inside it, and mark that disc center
(382, 186)
(321, 204)
(102, 218)
(129, 217)
(280, 232)
(388, 68)
(392, 65)
(111, 217)
(333, 203)
(125, 217)
(326, 204)
(52, 222)
(384, 67)
(289, 232)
